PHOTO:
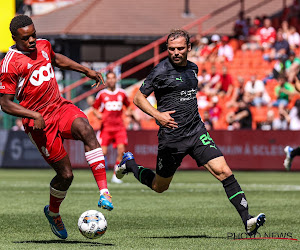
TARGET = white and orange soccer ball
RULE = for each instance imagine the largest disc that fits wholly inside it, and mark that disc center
(92, 224)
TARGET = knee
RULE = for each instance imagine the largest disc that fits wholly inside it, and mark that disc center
(224, 173)
(68, 177)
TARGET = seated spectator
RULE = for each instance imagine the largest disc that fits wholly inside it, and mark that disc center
(200, 50)
(207, 121)
(213, 48)
(241, 118)
(225, 51)
(285, 29)
(266, 35)
(252, 42)
(283, 91)
(281, 122)
(240, 28)
(255, 90)
(93, 117)
(292, 60)
(268, 123)
(209, 88)
(293, 38)
(225, 86)
(203, 79)
(215, 110)
(294, 116)
(18, 125)
(237, 94)
(280, 49)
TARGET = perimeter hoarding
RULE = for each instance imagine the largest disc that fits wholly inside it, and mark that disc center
(243, 150)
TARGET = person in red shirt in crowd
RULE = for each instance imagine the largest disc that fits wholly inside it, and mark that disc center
(214, 47)
(109, 107)
(225, 51)
(27, 74)
(225, 86)
(266, 35)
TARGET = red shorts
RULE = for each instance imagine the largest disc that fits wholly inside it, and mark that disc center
(49, 141)
(115, 137)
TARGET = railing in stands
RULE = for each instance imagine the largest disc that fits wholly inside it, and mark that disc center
(155, 46)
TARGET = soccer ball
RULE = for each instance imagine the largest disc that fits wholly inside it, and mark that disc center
(92, 224)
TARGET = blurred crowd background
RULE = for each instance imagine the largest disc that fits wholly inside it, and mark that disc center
(246, 76)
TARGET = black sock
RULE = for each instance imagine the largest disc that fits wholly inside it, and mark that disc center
(296, 151)
(143, 175)
(237, 197)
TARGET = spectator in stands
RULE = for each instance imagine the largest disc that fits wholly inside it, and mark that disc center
(280, 49)
(225, 51)
(240, 119)
(268, 123)
(285, 29)
(207, 121)
(291, 62)
(200, 50)
(237, 94)
(225, 86)
(18, 125)
(252, 42)
(256, 92)
(294, 116)
(292, 66)
(215, 110)
(203, 79)
(240, 28)
(281, 122)
(266, 35)
(284, 91)
(210, 88)
(214, 47)
(293, 38)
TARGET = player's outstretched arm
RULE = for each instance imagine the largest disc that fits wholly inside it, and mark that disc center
(10, 107)
(164, 118)
(64, 62)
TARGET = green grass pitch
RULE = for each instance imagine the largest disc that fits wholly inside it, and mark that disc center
(193, 214)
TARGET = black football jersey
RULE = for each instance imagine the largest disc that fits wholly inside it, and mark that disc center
(175, 88)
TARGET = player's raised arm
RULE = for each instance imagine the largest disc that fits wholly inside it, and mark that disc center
(64, 62)
(10, 107)
(164, 118)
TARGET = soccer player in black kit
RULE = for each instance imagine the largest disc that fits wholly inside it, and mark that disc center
(174, 82)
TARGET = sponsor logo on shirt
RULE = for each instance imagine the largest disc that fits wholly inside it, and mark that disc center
(113, 106)
(1, 86)
(187, 95)
(45, 55)
(43, 74)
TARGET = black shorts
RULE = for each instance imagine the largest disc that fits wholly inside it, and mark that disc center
(200, 147)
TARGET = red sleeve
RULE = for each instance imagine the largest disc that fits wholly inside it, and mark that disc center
(9, 81)
(126, 101)
(52, 54)
(97, 102)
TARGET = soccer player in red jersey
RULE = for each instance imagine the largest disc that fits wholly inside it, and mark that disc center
(26, 72)
(109, 106)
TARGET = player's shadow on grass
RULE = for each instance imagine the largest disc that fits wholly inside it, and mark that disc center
(89, 243)
(186, 236)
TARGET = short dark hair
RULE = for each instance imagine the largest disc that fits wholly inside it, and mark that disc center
(175, 33)
(19, 21)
